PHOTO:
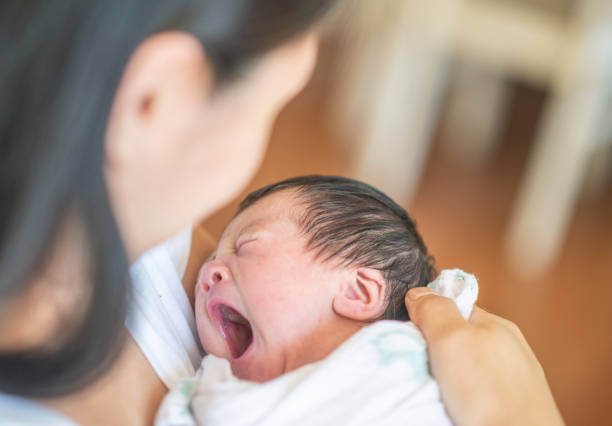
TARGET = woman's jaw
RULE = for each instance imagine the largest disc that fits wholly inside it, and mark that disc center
(178, 148)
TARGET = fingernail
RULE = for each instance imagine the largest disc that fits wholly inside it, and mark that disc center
(418, 292)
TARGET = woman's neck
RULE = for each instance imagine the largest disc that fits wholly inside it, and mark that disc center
(128, 394)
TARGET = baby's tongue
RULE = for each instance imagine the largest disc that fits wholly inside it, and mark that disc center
(238, 332)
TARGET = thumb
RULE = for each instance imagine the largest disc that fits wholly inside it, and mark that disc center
(433, 314)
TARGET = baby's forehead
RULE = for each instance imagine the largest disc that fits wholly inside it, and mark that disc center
(265, 213)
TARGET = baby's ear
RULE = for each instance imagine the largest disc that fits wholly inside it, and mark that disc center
(361, 296)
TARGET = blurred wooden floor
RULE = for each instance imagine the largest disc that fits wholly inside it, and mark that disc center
(565, 315)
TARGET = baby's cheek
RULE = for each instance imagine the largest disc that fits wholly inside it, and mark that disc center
(210, 340)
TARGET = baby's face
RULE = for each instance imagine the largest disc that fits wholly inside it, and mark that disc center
(262, 301)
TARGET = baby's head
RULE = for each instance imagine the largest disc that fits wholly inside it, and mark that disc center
(304, 264)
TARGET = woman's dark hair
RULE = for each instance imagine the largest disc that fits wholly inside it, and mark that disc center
(355, 224)
(61, 63)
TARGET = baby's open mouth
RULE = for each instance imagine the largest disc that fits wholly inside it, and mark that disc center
(236, 329)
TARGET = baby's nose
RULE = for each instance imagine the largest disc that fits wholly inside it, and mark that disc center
(213, 273)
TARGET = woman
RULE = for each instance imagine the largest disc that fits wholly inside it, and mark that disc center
(121, 123)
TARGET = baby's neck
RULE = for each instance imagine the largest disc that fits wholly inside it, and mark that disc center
(321, 342)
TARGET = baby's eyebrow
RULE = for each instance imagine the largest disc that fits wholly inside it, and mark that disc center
(249, 228)
(234, 239)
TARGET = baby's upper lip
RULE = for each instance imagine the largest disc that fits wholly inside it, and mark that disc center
(214, 299)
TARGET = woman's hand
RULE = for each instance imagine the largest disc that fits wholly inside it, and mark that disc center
(488, 374)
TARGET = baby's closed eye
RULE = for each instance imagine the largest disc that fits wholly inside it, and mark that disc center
(242, 242)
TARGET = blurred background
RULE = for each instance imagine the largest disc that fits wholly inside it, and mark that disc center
(490, 121)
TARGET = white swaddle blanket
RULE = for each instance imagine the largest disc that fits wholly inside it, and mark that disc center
(379, 376)
(161, 319)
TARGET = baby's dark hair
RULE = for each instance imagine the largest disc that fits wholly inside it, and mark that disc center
(351, 221)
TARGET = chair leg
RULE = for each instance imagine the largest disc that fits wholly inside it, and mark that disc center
(568, 136)
(475, 114)
(554, 176)
(388, 102)
(396, 136)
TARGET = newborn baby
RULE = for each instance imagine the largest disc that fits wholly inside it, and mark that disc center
(289, 298)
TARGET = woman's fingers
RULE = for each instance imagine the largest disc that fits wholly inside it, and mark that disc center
(434, 315)
(486, 371)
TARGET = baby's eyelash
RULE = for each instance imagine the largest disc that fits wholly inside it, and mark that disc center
(211, 256)
(241, 243)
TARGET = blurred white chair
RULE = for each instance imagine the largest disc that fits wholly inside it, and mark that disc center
(570, 54)
(389, 99)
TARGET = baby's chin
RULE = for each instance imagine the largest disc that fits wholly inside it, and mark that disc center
(256, 372)
(250, 367)
(268, 365)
